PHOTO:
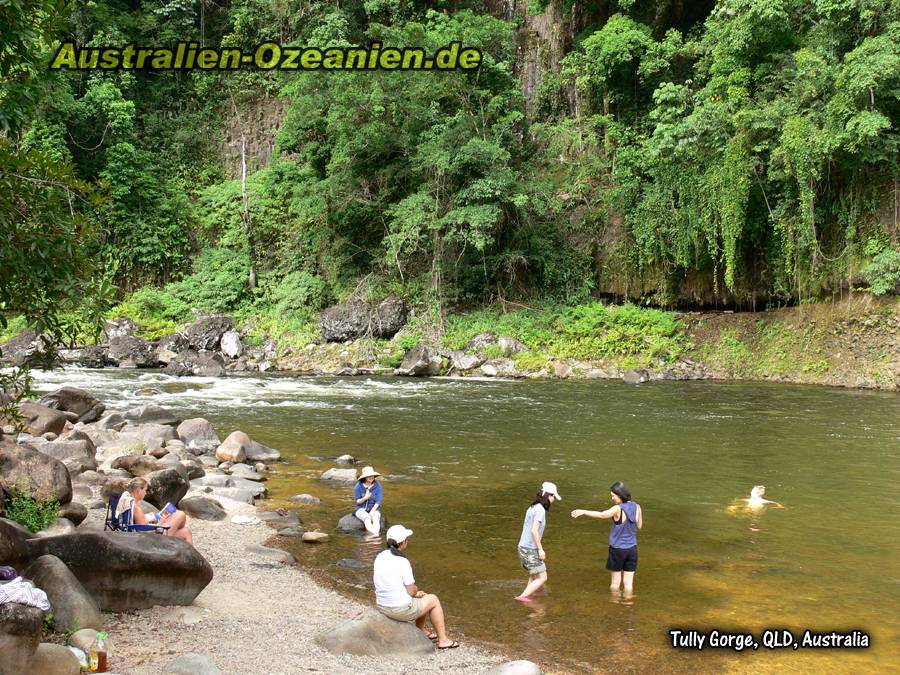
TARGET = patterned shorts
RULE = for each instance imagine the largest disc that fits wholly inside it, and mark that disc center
(531, 561)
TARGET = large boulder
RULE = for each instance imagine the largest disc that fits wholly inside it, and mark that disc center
(231, 344)
(390, 317)
(21, 349)
(203, 508)
(355, 319)
(373, 634)
(81, 449)
(234, 447)
(206, 333)
(198, 433)
(94, 356)
(78, 401)
(257, 452)
(118, 328)
(168, 349)
(463, 361)
(151, 434)
(53, 659)
(353, 525)
(166, 485)
(510, 346)
(201, 364)
(39, 419)
(151, 414)
(44, 477)
(73, 607)
(137, 465)
(125, 571)
(131, 352)
(499, 368)
(421, 361)
(74, 512)
(20, 635)
(480, 342)
(13, 549)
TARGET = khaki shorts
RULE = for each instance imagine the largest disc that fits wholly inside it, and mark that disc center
(409, 612)
(531, 560)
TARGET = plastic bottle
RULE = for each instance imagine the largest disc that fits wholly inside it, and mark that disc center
(97, 655)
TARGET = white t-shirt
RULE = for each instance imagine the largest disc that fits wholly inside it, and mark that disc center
(392, 574)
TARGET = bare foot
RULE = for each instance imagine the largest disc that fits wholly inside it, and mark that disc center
(523, 598)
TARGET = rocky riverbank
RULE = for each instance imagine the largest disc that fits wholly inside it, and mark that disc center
(851, 343)
(230, 603)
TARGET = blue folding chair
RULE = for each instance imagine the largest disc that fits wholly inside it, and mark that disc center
(124, 522)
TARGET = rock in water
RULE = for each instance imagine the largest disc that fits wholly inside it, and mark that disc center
(421, 361)
(20, 635)
(151, 414)
(125, 571)
(193, 664)
(73, 608)
(305, 499)
(374, 634)
(131, 352)
(340, 475)
(638, 376)
(78, 401)
(314, 537)
(353, 525)
(234, 448)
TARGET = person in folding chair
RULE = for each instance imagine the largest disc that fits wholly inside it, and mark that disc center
(173, 524)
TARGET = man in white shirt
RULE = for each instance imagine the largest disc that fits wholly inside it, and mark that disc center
(396, 593)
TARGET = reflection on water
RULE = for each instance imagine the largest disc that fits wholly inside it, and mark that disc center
(463, 460)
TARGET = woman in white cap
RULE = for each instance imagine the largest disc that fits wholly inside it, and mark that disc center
(367, 494)
(396, 593)
(531, 552)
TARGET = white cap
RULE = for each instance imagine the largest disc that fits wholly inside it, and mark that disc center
(398, 533)
(550, 489)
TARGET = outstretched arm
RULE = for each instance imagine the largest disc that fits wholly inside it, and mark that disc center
(609, 513)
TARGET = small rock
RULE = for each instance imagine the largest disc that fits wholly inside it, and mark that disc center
(274, 554)
(305, 499)
(295, 531)
(340, 475)
(314, 537)
(345, 460)
(193, 664)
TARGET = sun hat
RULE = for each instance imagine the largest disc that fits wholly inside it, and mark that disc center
(398, 533)
(366, 472)
(550, 489)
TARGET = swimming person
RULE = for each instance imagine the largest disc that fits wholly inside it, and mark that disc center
(627, 519)
(396, 593)
(367, 494)
(531, 551)
(753, 504)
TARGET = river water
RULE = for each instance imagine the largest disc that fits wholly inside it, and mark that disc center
(463, 460)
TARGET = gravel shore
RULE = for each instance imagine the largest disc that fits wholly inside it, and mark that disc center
(257, 616)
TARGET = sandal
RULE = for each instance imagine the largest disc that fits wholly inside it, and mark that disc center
(431, 636)
(452, 645)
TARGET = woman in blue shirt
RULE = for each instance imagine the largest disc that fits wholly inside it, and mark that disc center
(367, 494)
(627, 520)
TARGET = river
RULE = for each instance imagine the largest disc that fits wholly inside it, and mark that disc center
(463, 459)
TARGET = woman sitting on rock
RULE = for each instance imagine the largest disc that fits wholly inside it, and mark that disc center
(137, 490)
(367, 495)
(396, 593)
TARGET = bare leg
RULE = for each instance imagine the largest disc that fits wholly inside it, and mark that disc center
(628, 580)
(615, 581)
(535, 581)
(436, 614)
(177, 523)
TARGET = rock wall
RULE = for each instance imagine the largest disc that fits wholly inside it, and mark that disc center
(260, 123)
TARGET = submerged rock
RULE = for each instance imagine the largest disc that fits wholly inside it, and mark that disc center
(637, 376)
(517, 668)
(340, 475)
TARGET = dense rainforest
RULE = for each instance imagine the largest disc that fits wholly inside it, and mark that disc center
(740, 153)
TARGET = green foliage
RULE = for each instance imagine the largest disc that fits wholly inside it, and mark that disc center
(34, 514)
(218, 282)
(14, 327)
(299, 291)
(529, 362)
(883, 273)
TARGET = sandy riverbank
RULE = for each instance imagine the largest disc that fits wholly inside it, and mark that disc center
(257, 616)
